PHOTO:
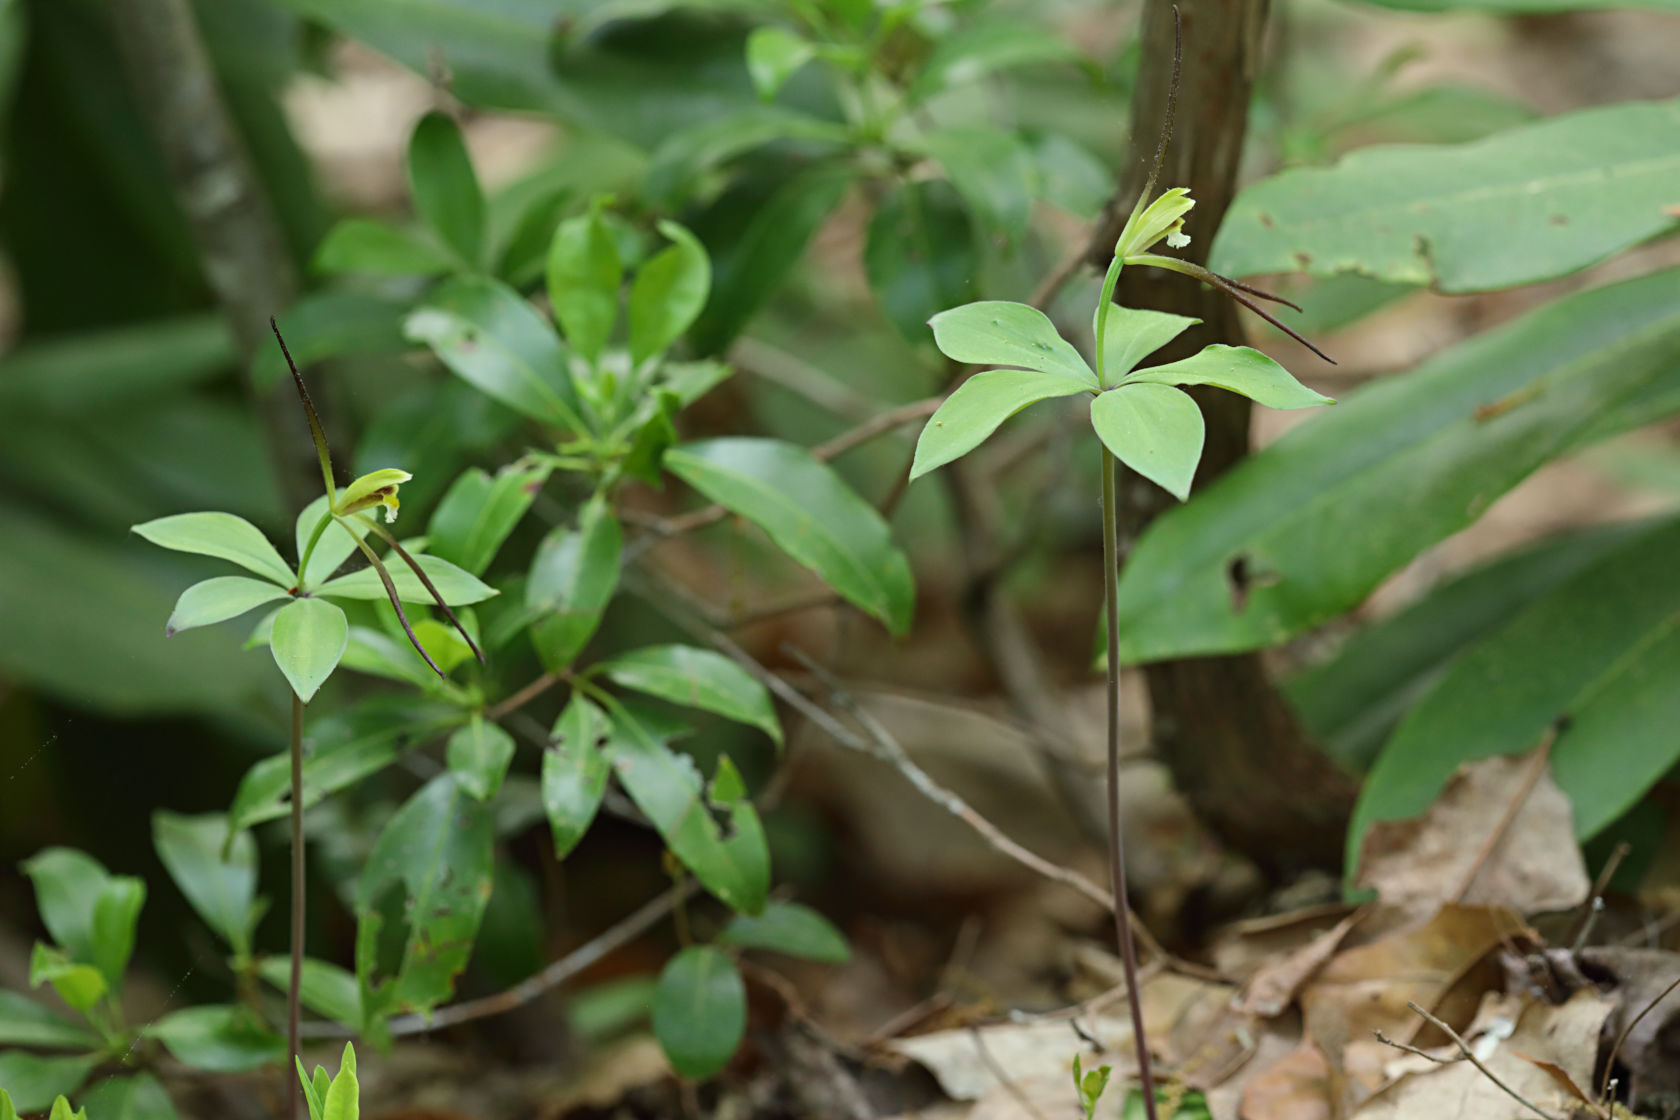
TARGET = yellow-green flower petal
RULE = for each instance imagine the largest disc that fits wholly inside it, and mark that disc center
(376, 488)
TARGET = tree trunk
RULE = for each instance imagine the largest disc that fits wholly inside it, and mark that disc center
(1235, 748)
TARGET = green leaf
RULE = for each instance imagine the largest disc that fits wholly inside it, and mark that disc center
(494, 340)
(810, 514)
(88, 911)
(1239, 369)
(223, 536)
(308, 638)
(479, 754)
(311, 1093)
(573, 576)
(773, 54)
(993, 172)
(140, 1097)
(1352, 701)
(61, 1111)
(23, 1022)
(457, 587)
(1153, 429)
(334, 546)
(364, 245)
(575, 771)
(1132, 334)
(431, 869)
(751, 265)
(1600, 650)
(478, 512)
(333, 323)
(343, 1100)
(69, 375)
(999, 333)
(1070, 177)
(1523, 7)
(788, 927)
(979, 405)
(668, 293)
(80, 986)
(325, 988)
(33, 1080)
(698, 678)
(346, 747)
(220, 1038)
(699, 1011)
(584, 276)
(446, 192)
(222, 887)
(920, 255)
(219, 599)
(1521, 206)
(681, 162)
(667, 787)
(1287, 539)
(976, 51)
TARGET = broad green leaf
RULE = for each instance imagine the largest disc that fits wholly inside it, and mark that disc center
(993, 172)
(33, 1080)
(307, 639)
(430, 870)
(325, 988)
(667, 787)
(89, 912)
(139, 1097)
(984, 49)
(379, 654)
(343, 1097)
(364, 245)
(223, 536)
(1000, 333)
(80, 986)
(334, 546)
(1155, 430)
(219, 599)
(494, 340)
(1521, 206)
(477, 514)
(697, 678)
(1132, 334)
(61, 1111)
(68, 375)
(687, 154)
(920, 255)
(446, 192)
(219, 1038)
(575, 771)
(668, 293)
(478, 755)
(333, 323)
(1070, 177)
(699, 1011)
(773, 54)
(344, 748)
(979, 405)
(1352, 701)
(810, 514)
(766, 239)
(788, 927)
(23, 1022)
(1601, 651)
(457, 587)
(1240, 369)
(222, 887)
(1287, 539)
(584, 276)
(573, 576)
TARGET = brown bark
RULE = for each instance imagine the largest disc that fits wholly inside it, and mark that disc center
(1235, 748)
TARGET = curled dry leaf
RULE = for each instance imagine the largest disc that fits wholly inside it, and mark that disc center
(1274, 987)
(1456, 852)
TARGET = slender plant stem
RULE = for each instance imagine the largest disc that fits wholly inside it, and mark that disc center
(1116, 845)
(294, 1003)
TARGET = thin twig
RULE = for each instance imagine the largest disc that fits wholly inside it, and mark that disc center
(516, 700)
(1410, 1049)
(1610, 1063)
(887, 421)
(1595, 900)
(793, 373)
(1464, 1048)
